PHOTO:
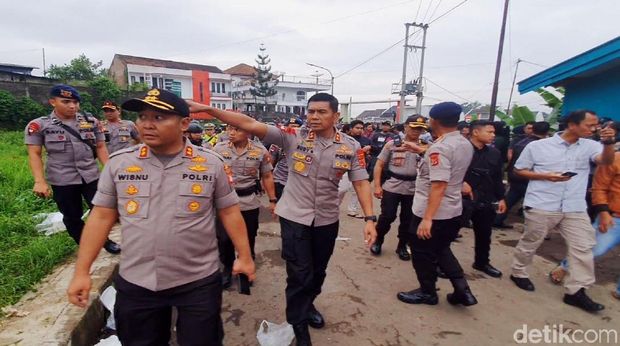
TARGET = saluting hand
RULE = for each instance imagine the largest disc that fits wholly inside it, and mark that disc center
(79, 290)
(370, 234)
(424, 229)
(195, 107)
(41, 190)
(245, 266)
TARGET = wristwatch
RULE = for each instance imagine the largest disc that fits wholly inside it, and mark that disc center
(372, 218)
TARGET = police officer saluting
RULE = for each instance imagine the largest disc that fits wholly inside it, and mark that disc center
(73, 141)
(119, 133)
(399, 185)
(309, 209)
(167, 192)
(248, 162)
(437, 207)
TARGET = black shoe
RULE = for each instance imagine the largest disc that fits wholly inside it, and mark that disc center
(581, 300)
(375, 249)
(417, 297)
(523, 283)
(302, 335)
(488, 269)
(503, 226)
(441, 274)
(402, 253)
(465, 298)
(315, 319)
(226, 279)
(112, 247)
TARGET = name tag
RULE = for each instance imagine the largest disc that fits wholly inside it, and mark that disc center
(381, 139)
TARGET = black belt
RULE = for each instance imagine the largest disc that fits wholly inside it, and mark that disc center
(401, 177)
(246, 192)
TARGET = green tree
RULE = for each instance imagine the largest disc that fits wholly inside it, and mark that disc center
(264, 83)
(139, 87)
(79, 69)
(104, 89)
(16, 113)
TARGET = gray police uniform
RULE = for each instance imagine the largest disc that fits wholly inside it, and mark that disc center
(167, 213)
(246, 169)
(71, 168)
(119, 134)
(397, 189)
(447, 160)
(309, 208)
(280, 172)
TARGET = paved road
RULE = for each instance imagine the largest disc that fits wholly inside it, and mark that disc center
(360, 306)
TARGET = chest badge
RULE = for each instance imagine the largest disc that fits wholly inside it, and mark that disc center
(131, 190)
(199, 159)
(132, 207)
(196, 189)
(198, 168)
(299, 166)
(193, 206)
(133, 169)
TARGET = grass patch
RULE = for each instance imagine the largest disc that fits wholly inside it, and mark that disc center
(25, 256)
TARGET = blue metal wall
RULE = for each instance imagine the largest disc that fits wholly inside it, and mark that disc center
(600, 93)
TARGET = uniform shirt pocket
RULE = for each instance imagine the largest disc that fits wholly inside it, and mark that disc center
(195, 198)
(56, 143)
(133, 199)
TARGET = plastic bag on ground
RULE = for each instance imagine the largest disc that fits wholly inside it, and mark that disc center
(108, 299)
(52, 223)
(272, 334)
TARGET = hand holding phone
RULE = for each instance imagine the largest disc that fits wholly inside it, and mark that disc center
(243, 285)
(569, 174)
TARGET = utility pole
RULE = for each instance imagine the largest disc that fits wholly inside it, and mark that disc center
(44, 66)
(403, 88)
(498, 64)
(512, 88)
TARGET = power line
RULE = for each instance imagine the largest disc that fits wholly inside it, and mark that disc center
(446, 90)
(399, 41)
(418, 11)
(430, 4)
(436, 7)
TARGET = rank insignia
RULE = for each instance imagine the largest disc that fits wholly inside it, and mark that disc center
(198, 168)
(199, 159)
(196, 189)
(133, 169)
(229, 173)
(311, 136)
(361, 158)
(33, 128)
(434, 157)
(299, 166)
(85, 125)
(193, 206)
(337, 137)
(144, 152)
(131, 190)
(132, 207)
(189, 151)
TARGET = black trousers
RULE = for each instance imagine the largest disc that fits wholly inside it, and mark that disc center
(482, 218)
(143, 317)
(225, 245)
(427, 254)
(279, 190)
(306, 250)
(389, 208)
(68, 198)
(516, 192)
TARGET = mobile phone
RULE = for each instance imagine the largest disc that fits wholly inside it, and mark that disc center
(243, 285)
(398, 141)
(569, 174)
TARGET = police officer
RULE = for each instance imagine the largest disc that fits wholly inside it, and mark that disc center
(309, 209)
(210, 136)
(167, 192)
(73, 141)
(437, 207)
(399, 186)
(483, 187)
(377, 142)
(278, 157)
(119, 133)
(249, 162)
(194, 135)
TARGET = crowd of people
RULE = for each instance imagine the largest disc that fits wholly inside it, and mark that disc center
(187, 201)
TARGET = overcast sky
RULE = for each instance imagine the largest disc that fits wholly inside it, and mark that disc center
(337, 34)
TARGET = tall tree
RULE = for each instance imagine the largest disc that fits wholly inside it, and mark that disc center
(264, 83)
(80, 69)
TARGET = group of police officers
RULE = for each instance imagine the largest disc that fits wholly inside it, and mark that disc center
(178, 202)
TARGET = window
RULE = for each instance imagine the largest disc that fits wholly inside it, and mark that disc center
(283, 96)
(301, 95)
(154, 82)
(141, 79)
(133, 79)
(212, 87)
(218, 87)
(223, 88)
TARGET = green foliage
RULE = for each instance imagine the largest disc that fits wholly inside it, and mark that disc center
(80, 68)
(264, 83)
(554, 102)
(16, 113)
(136, 87)
(25, 256)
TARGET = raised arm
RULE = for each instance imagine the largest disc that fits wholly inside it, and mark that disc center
(235, 119)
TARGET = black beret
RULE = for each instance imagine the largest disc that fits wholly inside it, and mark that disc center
(160, 99)
(446, 110)
(65, 91)
(194, 128)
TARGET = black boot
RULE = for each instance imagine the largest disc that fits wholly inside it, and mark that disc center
(418, 296)
(302, 335)
(581, 300)
(462, 294)
(401, 251)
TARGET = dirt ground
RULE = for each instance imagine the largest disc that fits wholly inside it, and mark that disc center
(359, 296)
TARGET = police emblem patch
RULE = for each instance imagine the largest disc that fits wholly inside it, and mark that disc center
(196, 189)
(131, 190)
(33, 128)
(299, 166)
(193, 206)
(434, 157)
(132, 207)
